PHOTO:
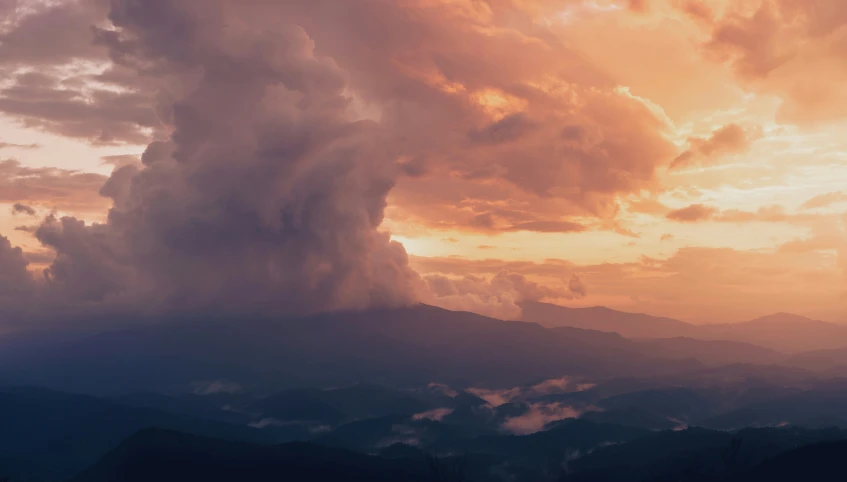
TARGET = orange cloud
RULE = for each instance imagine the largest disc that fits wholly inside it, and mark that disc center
(730, 139)
(693, 213)
(687, 284)
(825, 200)
(793, 48)
(51, 188)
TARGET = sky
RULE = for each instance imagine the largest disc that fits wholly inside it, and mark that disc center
(683, 158)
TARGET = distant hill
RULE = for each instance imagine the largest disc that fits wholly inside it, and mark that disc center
(166, 456)
(50, 436)
(783, 332)
(713, 352)
(778, 333)
(628, 455)
(823, 462)
(630, 325)
(699, 455)
(338, 405)
(833, 361)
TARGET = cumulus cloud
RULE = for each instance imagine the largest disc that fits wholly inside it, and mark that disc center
(498, 296)
(804, 276)
(503, 126)
(266, 198)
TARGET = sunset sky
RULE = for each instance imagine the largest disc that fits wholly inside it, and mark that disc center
(685, 158)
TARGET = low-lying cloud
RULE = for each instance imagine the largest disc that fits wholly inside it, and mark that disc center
(538, 416)
(497, 397)
(499, 296)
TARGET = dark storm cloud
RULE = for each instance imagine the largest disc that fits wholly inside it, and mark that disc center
(267, 198)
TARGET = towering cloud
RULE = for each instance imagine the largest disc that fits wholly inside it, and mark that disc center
(266, 197)
(281, 128)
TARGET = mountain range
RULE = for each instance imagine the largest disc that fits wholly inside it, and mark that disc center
(781, 332)
(410, 347)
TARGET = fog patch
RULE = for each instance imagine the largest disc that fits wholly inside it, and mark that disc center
(538, 416)
(552, 386)
(401, 434)
(437, 414)
(443, 389)
(214, 387)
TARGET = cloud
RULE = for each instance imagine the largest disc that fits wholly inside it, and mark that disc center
(62, 189)
(497, 397)
(549, 227)
(692, 214)
(11, 145)
(436, 414)
(266, 198)
(728, 140)
(501, 108)
(825, 200)
(577, 287)
(19, 208)
(538, 416)
(101, 116)
(214, 387)
(766, 214)
(16, 283)
(806, 276)
(498, 296)
(58, 82)
(791, 48)
(499, 121)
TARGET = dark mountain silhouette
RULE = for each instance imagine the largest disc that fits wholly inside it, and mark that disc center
(224, 407)
(695, 455)
(802, 408)
(308, 405)
(683, 404)
(166, 456)
(823, 462)
(549, 448)
(632, 417)
(337, 405)
(571, 451)
(50, 436)
(407, 347)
